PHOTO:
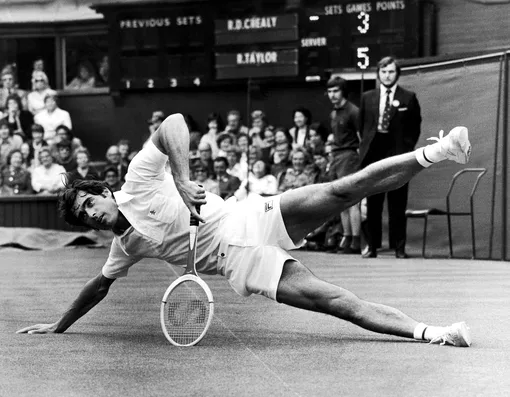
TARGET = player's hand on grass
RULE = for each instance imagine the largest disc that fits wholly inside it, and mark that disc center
(193, 195)
(38, 329)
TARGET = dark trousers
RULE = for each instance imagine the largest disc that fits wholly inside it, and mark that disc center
(383, 146)
(397, 204)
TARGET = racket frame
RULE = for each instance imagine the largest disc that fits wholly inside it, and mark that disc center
(207, 290)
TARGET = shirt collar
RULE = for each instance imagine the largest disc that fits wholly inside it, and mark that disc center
(384, 90)
(122, 197)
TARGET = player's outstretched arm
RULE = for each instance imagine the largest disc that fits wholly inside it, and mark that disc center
(93, 292)
(172, 139)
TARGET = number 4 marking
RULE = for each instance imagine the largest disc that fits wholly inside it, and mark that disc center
(364, 59)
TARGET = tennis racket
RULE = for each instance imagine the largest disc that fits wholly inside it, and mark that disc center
(187, 307)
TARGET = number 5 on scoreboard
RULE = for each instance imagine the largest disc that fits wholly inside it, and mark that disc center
(364, 59)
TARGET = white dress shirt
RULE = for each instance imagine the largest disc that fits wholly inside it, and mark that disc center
(50, 122)
(48, 179)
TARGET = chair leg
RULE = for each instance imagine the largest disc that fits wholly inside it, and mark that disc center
(450, 235)
(473, 235)
(425, 221)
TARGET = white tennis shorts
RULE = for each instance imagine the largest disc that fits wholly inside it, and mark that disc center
(253, 246)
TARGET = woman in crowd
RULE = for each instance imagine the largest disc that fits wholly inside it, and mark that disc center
(27, 155)
(39, 92)
(281, 135)
(201, 177)
(8, 142)
(315, 142)
(16, 179)
(18, 120)
(37, 143)
(259, 182)
(300, 132)
(225, 142)
(214, 126)
(126, 155)
(85, 78)
(47, 178)
(299, 174)
(83, 169)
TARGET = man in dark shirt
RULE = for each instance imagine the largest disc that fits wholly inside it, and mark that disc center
(345, 159)
(228, 184)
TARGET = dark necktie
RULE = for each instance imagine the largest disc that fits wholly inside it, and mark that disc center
(385, 123)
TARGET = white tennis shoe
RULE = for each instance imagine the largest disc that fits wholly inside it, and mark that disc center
(455, 335)
(455, 146)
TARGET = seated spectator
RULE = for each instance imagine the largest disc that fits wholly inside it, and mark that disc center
(254, 155)
(37, 143)
(85, 78)
(113, 159)
(205, 157)
(315, 142)
(225, 141)
(18, 119)
(83, 170)
(301, 130)
(214, 126)
(268, 146)
(234, 123)
(111, 177)
(259, 182)
(47, 177)
(126, 155)
(320, 160)
(52, 116)
(65, 156)
(281, 135)
(9, 87)
(41, 89)
(201, 177)
(8, 142)
(281, 159)
(298, 175)
(258, 125)
(16, 179)
(227, 184)
(27, 156)
(235, 168)
(65, 134)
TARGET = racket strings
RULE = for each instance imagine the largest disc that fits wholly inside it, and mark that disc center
(186, 312)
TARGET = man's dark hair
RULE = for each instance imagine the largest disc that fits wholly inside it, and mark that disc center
(337, 81)
(67, 197)
(221, 159)
(37, 128)
(388, 61)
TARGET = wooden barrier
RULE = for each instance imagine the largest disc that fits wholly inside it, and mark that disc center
(33, 211)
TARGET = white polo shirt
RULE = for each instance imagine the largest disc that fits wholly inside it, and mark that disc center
(160, 220)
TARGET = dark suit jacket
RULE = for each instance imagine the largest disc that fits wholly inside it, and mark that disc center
(405, 121)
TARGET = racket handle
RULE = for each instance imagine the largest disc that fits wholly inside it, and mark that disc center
(194, 221)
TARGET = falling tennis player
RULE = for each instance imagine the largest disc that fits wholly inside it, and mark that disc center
(247, 242)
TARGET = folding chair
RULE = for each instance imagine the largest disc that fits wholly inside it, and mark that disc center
(425, 213)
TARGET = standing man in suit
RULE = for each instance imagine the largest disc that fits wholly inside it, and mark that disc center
(389, 124)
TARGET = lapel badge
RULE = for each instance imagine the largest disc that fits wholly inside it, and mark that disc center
(396, 103)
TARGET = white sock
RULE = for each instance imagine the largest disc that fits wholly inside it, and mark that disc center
(426, 332)
(429, 154)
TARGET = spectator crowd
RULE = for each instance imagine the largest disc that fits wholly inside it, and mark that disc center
(230, 158)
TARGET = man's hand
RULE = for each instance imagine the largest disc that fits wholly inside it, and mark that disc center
(193, 195)
(39, 329)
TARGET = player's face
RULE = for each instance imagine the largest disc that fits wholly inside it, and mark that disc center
(335, 95)
(388, 75)
(97, 211)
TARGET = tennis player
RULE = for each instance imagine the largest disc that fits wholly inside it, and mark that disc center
(247, 242)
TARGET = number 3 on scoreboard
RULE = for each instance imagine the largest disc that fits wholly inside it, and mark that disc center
(364, 59)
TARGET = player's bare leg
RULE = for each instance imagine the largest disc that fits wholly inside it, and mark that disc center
(306, 208)
(298, 287)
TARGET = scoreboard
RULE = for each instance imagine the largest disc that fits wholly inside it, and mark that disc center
(168, 46)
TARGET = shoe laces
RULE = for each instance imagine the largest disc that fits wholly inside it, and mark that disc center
(441, 134)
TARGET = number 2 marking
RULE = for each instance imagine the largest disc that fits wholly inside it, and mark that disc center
(365, 22)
